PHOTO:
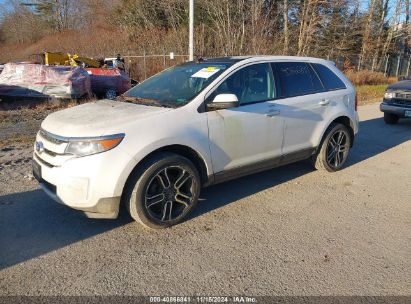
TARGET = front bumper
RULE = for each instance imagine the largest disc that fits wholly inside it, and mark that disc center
(107, 208)
(394, 109)
(92, 184)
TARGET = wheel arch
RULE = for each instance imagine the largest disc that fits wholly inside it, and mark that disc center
(344, 120)
(182, 150)
(189, 153)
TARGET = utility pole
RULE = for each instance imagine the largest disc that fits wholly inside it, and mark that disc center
(407, 29)
(191, 25)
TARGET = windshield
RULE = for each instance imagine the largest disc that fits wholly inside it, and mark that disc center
(176, 86)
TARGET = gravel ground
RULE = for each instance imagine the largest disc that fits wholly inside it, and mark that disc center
(288, 231)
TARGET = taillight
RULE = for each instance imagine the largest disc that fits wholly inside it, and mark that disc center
(356, 102)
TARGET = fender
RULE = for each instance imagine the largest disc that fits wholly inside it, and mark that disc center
(335, 118)
(161, 145)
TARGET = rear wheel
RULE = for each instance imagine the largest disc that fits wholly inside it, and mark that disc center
(164, 191)
(334, 149)
(390, 119)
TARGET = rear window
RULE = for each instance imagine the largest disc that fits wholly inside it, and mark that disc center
(297, 78)
(330, 80)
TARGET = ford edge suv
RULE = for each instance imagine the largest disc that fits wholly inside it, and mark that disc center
(193, 125)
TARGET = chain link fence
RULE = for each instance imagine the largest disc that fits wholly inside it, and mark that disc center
(391, 65)
(140, 67)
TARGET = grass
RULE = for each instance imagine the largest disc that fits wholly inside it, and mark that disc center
(18, 140)
(370, 85)
(368, 94)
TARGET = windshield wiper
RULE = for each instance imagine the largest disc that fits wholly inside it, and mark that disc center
(146, 101)
(139, 100)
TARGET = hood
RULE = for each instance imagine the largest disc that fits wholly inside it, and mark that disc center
(404, 85)
(94, 119)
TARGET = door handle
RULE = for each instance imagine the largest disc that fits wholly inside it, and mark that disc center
(272, 113)
(324, 102)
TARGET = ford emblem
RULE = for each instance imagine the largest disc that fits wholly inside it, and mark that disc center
(39, 147)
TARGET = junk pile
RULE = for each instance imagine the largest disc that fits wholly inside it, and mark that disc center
(41, 81)
(106, 80)
(63, 76)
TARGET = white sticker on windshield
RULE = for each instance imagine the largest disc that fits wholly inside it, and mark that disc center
(205, 73)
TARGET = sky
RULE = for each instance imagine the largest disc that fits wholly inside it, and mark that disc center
(364, 3)
(5, 4)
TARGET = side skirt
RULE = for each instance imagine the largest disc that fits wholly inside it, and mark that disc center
(238, 172)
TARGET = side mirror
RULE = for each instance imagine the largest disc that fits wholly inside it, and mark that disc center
(223, 101)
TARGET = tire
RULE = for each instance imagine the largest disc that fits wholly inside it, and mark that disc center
(390, 119)
(327, 159)
(111, 94)
(163, 191)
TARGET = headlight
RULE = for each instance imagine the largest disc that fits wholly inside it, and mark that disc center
(389, 95)
(89, 146)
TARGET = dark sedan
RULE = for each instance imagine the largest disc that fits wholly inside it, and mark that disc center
(397, 101)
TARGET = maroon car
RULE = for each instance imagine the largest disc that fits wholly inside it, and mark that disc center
(108, 83)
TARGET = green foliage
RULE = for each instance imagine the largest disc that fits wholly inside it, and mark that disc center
(45, 7)
(46, 10)
(370, 93)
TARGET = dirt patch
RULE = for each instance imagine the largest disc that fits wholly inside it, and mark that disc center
(18, 127)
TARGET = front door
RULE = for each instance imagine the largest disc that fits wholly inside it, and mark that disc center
(252, 133)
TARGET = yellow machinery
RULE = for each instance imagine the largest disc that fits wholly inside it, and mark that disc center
(67, 59)
(56, 58)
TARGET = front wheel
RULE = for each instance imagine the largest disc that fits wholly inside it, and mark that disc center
(390, 119)
(111, 94)
(334, 149)
(164, 191)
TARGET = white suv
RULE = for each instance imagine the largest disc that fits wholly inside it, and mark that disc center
(191, 126)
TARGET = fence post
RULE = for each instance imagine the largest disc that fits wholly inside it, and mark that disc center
(129, 66)
(144, 64)
(398, 65)
(359, 62)
(386, 65)
(408, 67)
(164, 58)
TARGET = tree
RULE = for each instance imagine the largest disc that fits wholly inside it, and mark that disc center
(286, 31)
(62, 14)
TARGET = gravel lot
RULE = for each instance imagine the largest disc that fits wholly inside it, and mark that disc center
(288, 231)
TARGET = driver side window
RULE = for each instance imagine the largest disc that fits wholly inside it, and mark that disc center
(254, 83)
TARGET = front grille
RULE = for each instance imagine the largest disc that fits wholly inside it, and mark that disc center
(51, 153)
(42, 161)
(50, 138)
(401, 102)
(404, 95)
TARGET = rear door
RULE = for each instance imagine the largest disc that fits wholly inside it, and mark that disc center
(303, 104)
